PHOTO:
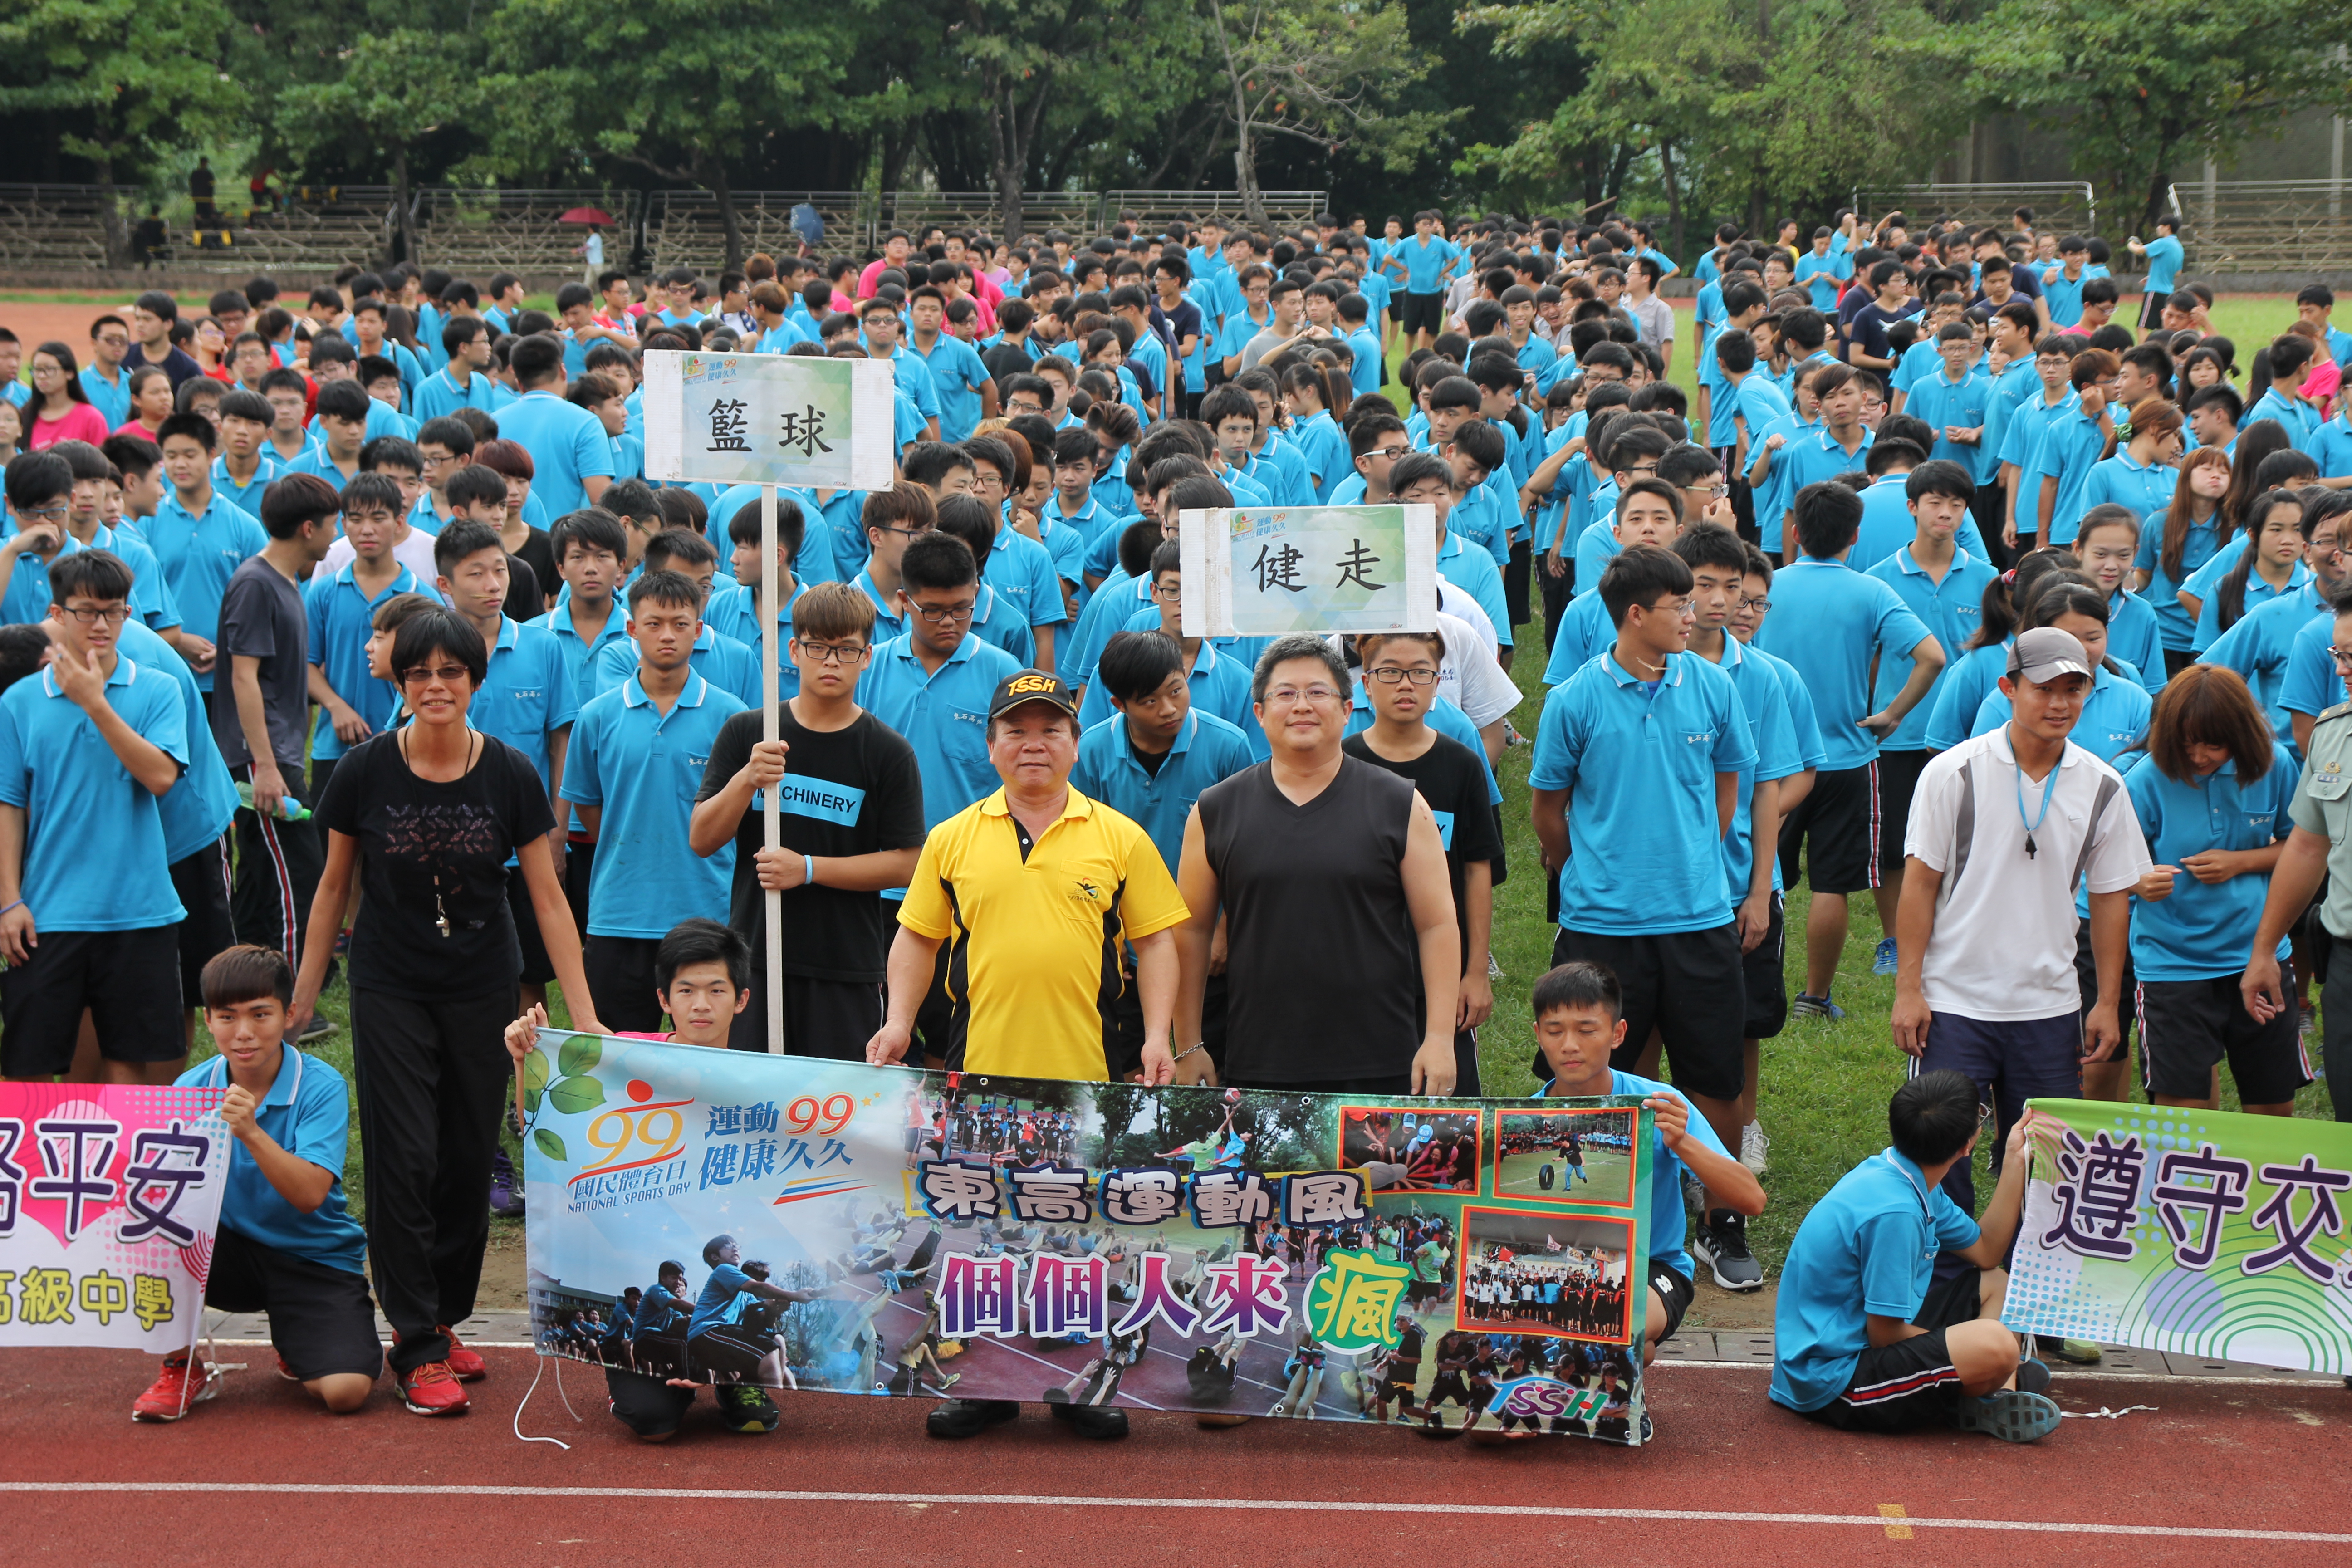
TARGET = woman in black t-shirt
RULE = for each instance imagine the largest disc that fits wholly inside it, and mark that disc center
(425, 818)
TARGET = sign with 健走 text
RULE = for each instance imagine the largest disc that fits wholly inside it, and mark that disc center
(1265, 571)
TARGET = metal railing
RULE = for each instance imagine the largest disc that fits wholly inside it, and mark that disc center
(2266, 225)
(1154, 209)
(2066, 206)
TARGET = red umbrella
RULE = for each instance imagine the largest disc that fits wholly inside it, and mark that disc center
(586, 214)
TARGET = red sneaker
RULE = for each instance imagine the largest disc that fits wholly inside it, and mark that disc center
(432, 1390)
(180, 1387)
(466, 1364)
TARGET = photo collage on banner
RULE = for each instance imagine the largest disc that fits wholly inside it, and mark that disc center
(828, 1226)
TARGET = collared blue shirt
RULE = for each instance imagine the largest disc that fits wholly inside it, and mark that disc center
(1206, 751)
(567, 444)
(1822, 275)
(1669, 1223)
(643, 768)
(245, 497)
(110, 398)
(151, 590)
(1829, 621)
(2134, 638)
(440, 394)
(943, 714)
(579, 656)
(957, 376)
(1424, 262)
(2312, 685)
(1474, 571)
(735, 612)
(2263, 646)
(1218, 682)
(199, 553)
(1778, 756)
(2301, 420)
(1888, 526)
(1960, 692)
(2146, 488)
(1638, 760)
(526, 695)
(2071, 446)
(1808, 458)
(341, 617)
(995, 619)
(79, 801)
(2258, 594)
(1940, 401)
(1952, 610)
(2064, 295)
(1866, 1248)
(1022, 570)
(196, 810)
(815, 562)
(2331, 444)
(888, 623)
(2163, 592)
(306, 1113)
(2203, 930)
(1584, 631)
(721, 660)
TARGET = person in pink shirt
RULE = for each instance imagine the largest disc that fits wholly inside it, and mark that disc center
(895, 248)
(60, 409)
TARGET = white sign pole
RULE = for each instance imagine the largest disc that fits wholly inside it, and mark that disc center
(771, 729)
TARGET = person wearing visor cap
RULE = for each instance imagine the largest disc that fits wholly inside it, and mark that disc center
(2005, 828)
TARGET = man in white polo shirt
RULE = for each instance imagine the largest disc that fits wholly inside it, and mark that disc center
(2005, 828)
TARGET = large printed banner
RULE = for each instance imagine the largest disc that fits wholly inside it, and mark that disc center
(812, 1225)
(109, 1198)
(2203, 1232)
(1265, 571)
(769, 419)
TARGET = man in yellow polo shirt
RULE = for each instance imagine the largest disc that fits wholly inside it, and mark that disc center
(1035, 887)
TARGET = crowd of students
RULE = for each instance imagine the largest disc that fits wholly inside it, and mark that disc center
(357, 635)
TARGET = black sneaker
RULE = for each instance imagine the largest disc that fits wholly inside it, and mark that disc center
(318, 1028)
(1096, 1421)
(969, 1418)
(1721, 1243)
(746, 1408)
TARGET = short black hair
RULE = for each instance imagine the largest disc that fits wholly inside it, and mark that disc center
(594, 528)
(1579, 986)
(792, 527)
(296, 499)
(463, 538)
(1637, 577)
(1482, 444)
(1829, 519)
(35, 478)
(342, 400)
(1134, 664)
(1932, 1117)
(671, 589)
(98, 575)
(372, 489)
(247, 973)
(936, 559)
(1939, 476)
(438, 633)
(700, 940)
(674, 545)
(928, 462)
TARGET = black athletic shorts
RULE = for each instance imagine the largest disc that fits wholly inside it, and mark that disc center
(621, 980)
(827, 1018)
(1423, 313)
(2187, 1028)
(2086, 980)
(1689, 986)
(1840, 819)
(1449, 1385)
(129, 981)
(1898, 779)
(1673, 1291)
(538, 968)
(646, 1405)
(1911, 1382)
(322, 1321)
(2151, 310)
(1767, 983)
(201, 881)
(1515, 582)
(730, 1354)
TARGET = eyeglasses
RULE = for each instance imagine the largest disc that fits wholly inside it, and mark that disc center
(909, 533)
(1292, 695)
(2342, 656)
(832, 653)
(43, 514)
(1761, 602)
(1171, 592)
(89, 617)
(943, 617)
(1389, 675)
(1388, 451)
(1714, 491)
(423, 675)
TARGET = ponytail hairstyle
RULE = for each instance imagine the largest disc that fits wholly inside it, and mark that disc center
(2230, 598)
(2069, 593)
(2005, 595)
(2183, 511)
(2255, 442)
(1308, 378)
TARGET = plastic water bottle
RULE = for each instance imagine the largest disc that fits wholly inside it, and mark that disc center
(288, 808)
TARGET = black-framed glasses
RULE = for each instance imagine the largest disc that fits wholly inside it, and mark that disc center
(1389, 675)
(833, 652)
(948, 616)
(53, 513)
(89, 617)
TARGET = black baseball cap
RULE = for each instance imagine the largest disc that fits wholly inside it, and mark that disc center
(1030, 686)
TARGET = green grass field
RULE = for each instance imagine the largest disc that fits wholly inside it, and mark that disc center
(1824, 1085)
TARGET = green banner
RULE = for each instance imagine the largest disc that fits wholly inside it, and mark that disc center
(2202, 1232)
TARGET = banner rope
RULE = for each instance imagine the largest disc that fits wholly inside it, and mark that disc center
(538, 1372)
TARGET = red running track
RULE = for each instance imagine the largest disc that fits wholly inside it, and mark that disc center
(2221, 1473)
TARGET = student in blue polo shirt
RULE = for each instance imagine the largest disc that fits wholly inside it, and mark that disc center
(570, 453)
(463, 382)
(199, 537)
(339, 607)
(1836, 448)
(1648, 510)
(995, 618)
(2107, 543)
(1866, 1339)
(966, 392)
(2289, 357)
(932, 684)
(2144, 470)
(1148, 760)
(2050, 489)
(285, 1246)
(1822, 269)
(1423, 478)
(1942, 585)
(1579, 1025)
(2269, 565)
(87, 748)
(878, 321)
(1833, 624)
(719, 659)
(1422, 264)
(1952, 402)
(2212, 797)
(735, 612)
(1217, 677)
(637, 752)
(244, 467)
(1887, 524)
(894, 517)
(1636, 776)
(2164, 256)
(525, 699)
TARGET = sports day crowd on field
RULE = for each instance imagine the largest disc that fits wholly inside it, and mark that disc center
(346, 640)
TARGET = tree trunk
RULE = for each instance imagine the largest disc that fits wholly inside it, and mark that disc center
(1673, 194)
(404, 213)
(111, 233)
(730, 222)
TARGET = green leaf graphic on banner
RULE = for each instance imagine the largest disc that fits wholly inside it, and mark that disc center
(549, 1145)
(572, 1095)
(534, 1080)
(580, 1054)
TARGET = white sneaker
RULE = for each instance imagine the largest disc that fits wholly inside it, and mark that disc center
(1755, 1149)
